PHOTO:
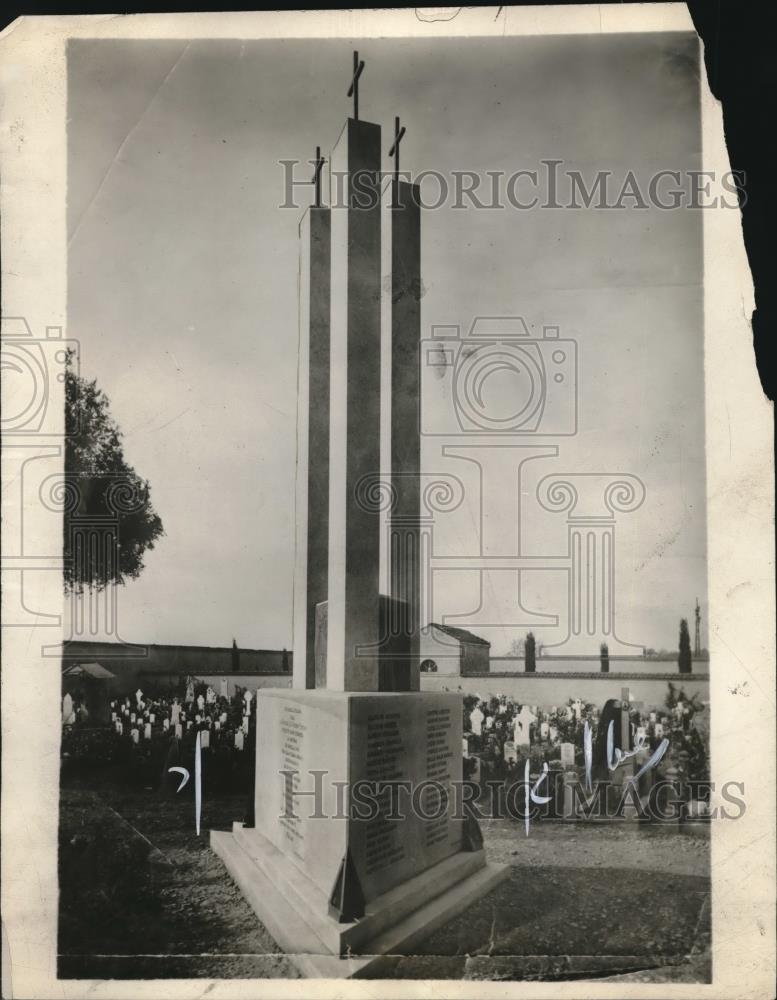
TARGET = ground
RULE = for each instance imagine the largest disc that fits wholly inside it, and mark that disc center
(142, 896)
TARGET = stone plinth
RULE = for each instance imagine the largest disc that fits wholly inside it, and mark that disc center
(397, 650)
(367, 883)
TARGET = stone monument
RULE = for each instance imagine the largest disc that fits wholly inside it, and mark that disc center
(339, 887)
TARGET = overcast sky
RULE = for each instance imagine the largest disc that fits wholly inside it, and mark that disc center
(182, 292)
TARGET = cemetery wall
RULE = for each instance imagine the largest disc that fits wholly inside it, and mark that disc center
(130, 662)
(548, 689)
(251, 681)
(590, 664)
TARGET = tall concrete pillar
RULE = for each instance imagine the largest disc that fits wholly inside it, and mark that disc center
(353, 612)
(312, 486)
(405, 538)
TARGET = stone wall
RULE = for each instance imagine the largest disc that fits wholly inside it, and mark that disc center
(547, 689)
(590, 664)
(129, 663)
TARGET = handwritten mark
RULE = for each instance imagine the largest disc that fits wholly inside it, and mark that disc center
(531, 793)
(197, 781)
(184, 772)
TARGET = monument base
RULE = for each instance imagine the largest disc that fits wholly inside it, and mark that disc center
(294, 909)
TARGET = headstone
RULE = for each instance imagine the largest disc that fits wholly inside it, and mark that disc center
(135, 735)
(165, 724)
(523, 723)
(147, 731)
(239, 739)
(200, 702)
(489, 722)
(210, 695)
(544, 730)
(68, 712)
(224, 688)
(205, 738)
(476, 720)
(567, 754)
(553, 733)
(510, 752)
(138, 696)
(179, 730)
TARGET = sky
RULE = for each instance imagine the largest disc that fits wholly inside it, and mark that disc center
(182, 290)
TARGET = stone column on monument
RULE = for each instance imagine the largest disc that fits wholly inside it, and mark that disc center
(405, 535)
(353, 610)
(312, 485)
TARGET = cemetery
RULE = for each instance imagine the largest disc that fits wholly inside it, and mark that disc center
(127, 833)
(247, 790)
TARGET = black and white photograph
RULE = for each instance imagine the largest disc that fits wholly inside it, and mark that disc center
(391, 627)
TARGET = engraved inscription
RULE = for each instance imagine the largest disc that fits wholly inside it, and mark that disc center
(385, 746)
(293, 731)
(439, 757)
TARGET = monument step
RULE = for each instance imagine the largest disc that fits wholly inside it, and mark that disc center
(394, 922)
(380, 914)
(272, 906)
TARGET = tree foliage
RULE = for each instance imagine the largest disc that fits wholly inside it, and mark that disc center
(530, 649)
(684, 649)
(109, 520)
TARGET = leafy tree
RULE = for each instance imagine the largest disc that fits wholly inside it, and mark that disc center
(517, 647)
(530, 654)
(101, 489)
(684, 654)
(604, 658)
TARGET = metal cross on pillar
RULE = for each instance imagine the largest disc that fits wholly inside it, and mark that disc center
(353, 90)
(316, 179)
(394, 151)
